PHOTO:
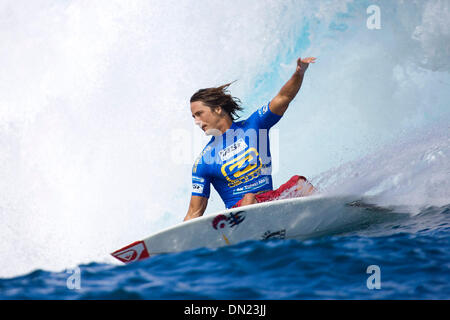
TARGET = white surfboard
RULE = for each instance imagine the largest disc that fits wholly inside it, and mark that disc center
(298, 218)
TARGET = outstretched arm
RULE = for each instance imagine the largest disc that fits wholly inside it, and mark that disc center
(280, 103)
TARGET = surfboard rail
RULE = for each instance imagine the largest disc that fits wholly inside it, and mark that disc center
(296, 218)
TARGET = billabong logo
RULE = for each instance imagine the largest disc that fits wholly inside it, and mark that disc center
(133, 252)
(241, 169)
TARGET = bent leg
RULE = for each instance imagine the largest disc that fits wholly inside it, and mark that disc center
(297, 186)
(304, 187)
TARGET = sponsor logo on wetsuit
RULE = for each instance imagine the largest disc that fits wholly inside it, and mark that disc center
(198, 179)
(197, 188)
(252, 186)
(199, 158)
(243, 168)
(232, 150)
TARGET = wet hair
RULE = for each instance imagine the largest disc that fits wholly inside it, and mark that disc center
(219, 97)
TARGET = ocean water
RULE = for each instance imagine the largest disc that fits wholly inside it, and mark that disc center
(97, 144)
(411, 254)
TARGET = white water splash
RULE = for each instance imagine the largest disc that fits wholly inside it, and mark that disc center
(411, 174)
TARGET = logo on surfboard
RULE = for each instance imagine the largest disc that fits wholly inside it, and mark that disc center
(234, 218)
(281, 234)
(133, 252)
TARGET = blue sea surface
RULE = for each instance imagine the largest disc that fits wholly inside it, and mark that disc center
(410, 257)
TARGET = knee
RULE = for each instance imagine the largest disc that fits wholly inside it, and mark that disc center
(249, 196)
(300, 178)
(305, 186)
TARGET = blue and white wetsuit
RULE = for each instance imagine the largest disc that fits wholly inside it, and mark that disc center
(238, 161)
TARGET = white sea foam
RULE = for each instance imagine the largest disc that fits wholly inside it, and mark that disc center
(410, 174)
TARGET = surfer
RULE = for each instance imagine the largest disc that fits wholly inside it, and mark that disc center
(237, 159)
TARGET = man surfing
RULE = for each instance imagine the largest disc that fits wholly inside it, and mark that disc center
(237, 161)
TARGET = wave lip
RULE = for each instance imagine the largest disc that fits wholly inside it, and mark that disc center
(408, 175)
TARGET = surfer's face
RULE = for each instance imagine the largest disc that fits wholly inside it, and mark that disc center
(206, 118)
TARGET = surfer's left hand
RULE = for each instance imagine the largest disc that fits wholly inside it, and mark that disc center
(302, 64)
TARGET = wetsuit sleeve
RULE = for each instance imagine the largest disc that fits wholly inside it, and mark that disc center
(263, 118)
(201, 184)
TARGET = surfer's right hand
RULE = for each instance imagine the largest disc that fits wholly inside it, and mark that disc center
(303, 64)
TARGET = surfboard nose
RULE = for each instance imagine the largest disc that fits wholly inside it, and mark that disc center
(132, 252)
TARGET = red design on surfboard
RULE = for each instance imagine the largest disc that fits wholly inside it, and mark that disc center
(221, 221)
(133, 252)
